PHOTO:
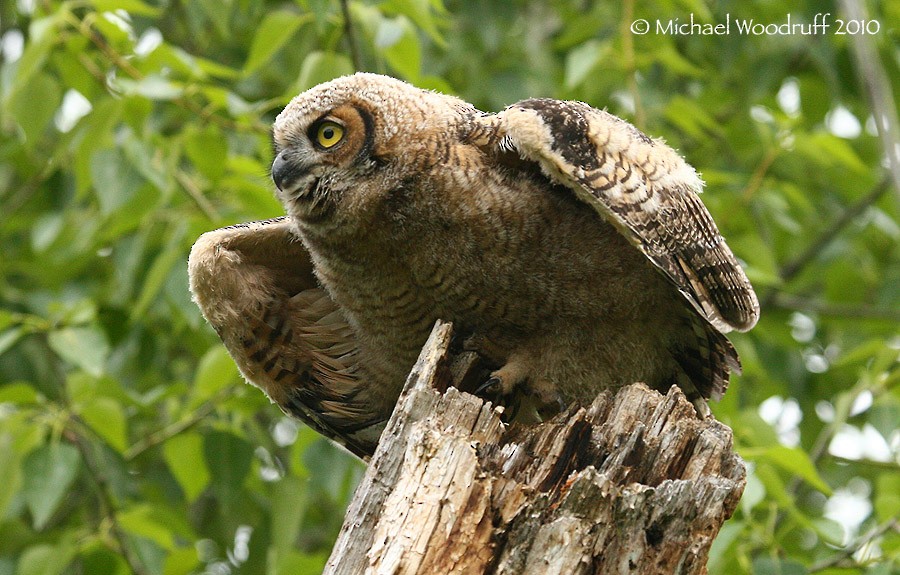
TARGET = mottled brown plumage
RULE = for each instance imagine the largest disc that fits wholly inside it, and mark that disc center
(573, 248)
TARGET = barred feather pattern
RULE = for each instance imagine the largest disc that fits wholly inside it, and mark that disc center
(254, 284)
(640, 185)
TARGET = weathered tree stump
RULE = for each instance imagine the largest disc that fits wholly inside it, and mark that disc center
(635, 483)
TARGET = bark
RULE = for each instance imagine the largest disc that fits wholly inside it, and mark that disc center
(633, 483)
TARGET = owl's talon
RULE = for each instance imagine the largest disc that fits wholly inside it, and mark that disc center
(490, 388)
(495, 391)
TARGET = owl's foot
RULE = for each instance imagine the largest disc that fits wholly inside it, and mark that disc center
(493, 390)
(505, 387)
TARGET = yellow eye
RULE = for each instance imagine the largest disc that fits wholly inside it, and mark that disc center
(329, 134)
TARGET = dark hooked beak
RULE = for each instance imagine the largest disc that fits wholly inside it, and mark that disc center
(285, 170)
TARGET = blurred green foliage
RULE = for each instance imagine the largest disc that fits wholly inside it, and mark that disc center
(128, 442)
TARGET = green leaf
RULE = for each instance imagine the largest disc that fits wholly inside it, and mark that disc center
(775, 566)
(828, 150)
(219, 12)
(215, 371)
(10, 473)
(774, 485)
(44, 559)
(290, 495)
(42, 35)
(48, 473)
(99, 559)
(100, 125)
(398, 42)
(296, 562)
(130, 6)
(229, 458)
(320, 67)
(184, 456)
(692, 118)
(33, 106)
(727, 535)
(581, 60)
(148, 161)
(420, 12)
(18, 393)
(796, 462)
(672, 60)
(46, 229)
(143, 521)
(754, 492)
(107, 418)
(9, 337)
(7, 318)
(183, 561)
(115, 179)
(271, 35)
(831, 531)
(153, 283)
(85, 347)
(117, 32)
(206, 147)
(152, 87)
(887, 497)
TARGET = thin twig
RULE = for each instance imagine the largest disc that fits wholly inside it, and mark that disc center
(196, 193)
(882, 465)
(756, 178)
(823, 439)
(878, 90)
(84, 26)
(24, 192)
(791, 269)
(837, 310)
(854, 547)
(173, 429)
(108, 506)
(351, 36)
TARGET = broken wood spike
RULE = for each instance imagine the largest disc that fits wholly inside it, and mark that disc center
(633, 483)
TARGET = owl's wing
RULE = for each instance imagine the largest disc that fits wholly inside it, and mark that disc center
(255, 285)
(643, 187)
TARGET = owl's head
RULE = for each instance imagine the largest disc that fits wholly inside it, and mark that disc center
(349, 140)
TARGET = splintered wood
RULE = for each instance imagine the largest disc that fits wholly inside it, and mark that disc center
(634, 483)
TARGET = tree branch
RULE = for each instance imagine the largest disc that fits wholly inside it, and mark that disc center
(878, 90)
(351, 36)
(193, 190)
(836, 310)
(854, 547)
(85, 28)
(759, 173)
(791, 269)
(108, 507)
(177, 427)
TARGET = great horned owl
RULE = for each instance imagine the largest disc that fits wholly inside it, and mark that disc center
(572, 248)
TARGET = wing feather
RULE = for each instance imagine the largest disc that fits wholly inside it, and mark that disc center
(255, 285)
(643, 187)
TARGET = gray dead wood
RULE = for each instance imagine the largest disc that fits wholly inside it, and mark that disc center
(634, 483)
